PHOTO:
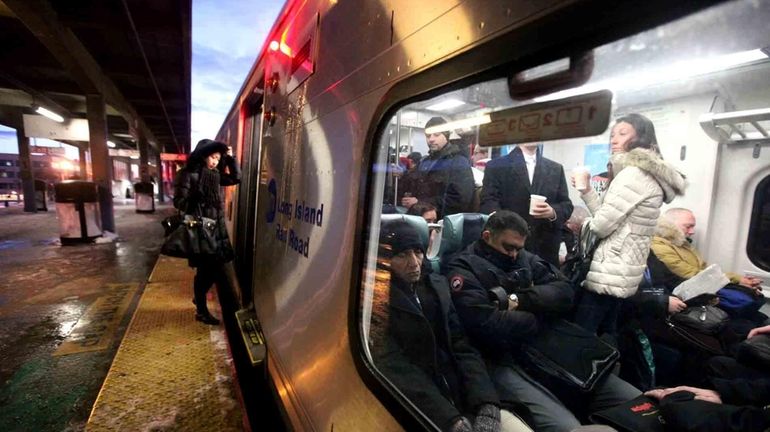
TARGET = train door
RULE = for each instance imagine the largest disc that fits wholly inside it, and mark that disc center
(247, 195)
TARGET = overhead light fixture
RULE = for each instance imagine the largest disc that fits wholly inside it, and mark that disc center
(669, 73)
(459, 124)
(111, 144)
(445, 105)
(48, 113)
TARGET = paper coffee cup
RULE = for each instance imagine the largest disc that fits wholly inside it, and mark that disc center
(581, 180)
(535, 200)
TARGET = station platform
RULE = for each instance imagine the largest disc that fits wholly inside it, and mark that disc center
(170, 372)
(102, 336)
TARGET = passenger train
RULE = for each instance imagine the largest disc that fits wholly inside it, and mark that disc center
(341, 92)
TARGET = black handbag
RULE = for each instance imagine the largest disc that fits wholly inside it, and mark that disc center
(171, 223)
(576, 268)
(194, 237)
(706, 319)
(699, 328)
(569, 354)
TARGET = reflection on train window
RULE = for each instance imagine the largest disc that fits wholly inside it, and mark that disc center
(758, 246)
(428, 175)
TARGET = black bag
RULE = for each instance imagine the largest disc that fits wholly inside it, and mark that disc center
(171, 223)
(706, 319)
(194, 237)
(570, 354)
(576, 268)
(698, 328)
(637, 415)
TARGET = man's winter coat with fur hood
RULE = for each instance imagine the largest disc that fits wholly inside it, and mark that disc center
(625, 219)
(675, 252)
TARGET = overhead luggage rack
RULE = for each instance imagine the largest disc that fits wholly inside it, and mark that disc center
(739, 127)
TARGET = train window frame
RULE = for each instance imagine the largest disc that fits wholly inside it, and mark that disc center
(453, 74)
(761, 200)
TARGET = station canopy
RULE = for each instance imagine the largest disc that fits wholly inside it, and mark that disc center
(134, 53)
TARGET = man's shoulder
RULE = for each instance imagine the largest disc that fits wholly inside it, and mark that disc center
(502, 161)
(551, 164)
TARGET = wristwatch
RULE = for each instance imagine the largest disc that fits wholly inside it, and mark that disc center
(513, 298)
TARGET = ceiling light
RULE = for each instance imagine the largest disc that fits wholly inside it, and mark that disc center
(50, 114)
(445, 105)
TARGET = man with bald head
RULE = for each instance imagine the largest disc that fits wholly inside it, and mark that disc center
(672, 246)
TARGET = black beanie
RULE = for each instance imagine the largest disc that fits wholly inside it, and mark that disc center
(400, 236)
(436, 121)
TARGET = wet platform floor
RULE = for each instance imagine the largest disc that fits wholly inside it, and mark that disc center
(47, 291)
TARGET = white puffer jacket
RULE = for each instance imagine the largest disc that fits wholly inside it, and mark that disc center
(625, 219)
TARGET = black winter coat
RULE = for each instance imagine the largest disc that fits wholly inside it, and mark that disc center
(189, 200)
(412, 353)
(744, 408)
(542, 291)
(444, 179)
(507, 187)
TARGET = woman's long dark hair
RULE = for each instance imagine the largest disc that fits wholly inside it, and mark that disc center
(645, 138)
(645, 132)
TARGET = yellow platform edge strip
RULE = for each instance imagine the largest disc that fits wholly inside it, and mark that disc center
(170, 372)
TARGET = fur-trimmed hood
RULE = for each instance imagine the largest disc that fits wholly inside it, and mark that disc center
(670, 179)
(668, 231)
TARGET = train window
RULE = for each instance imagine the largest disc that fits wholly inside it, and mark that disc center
(758, 247)
(431, 159)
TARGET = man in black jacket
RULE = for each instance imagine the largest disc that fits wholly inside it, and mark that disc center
(418, 344)
(498, 322)
(443, 178)
(508, 183)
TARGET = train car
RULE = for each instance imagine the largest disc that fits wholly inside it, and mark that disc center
(342, 90)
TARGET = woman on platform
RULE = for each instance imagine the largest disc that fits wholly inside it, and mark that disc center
(197, 191)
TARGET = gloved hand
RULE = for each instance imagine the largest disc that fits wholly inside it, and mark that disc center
(461, 425)
(487, 419)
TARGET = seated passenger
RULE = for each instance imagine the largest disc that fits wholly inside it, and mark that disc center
(742, 297)
(671, 245)
(540, 291)
(418, 344)
(444, 177)
(425, 210)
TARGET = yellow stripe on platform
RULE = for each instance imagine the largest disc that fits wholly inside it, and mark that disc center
(95, 330)
(170, 372)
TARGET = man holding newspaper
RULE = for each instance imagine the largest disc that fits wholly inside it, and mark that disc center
(672, 247)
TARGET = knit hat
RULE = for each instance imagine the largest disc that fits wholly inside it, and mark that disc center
(436, 121)
(400, 236)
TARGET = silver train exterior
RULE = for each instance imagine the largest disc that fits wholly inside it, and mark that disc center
(306, 126)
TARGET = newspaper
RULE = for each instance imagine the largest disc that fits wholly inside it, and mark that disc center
(708, 281)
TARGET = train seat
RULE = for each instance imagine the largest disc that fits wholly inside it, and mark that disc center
(415, 221)
(457, 231)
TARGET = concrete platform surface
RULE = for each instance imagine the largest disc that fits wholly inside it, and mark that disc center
(52, 295)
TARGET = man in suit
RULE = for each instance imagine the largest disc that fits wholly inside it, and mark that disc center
(508, 183)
